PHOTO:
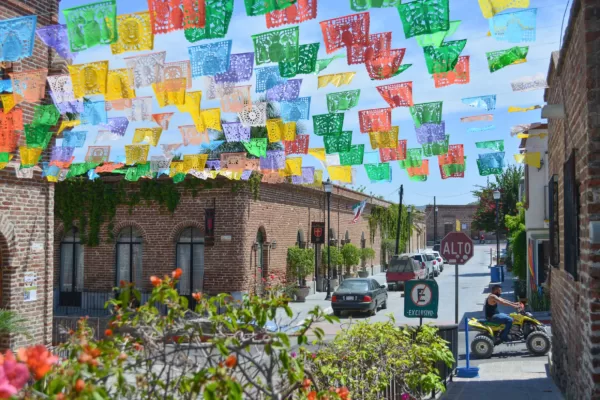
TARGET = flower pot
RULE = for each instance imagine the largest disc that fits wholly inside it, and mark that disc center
(363, 274)
(334, 284)
(301, 294)
(348, 276)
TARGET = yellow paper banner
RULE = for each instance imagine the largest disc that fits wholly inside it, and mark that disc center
(513, 109)
(336, 80)
(67, 124)
(341, 173)
(293, 166)
(29, 155)
(4, 164)
(170, 92)
(386, 139)
(194, 161)
(489, 8)
(151, 135)
(175, 168)
(119, 85)
(233, 175)
(136, 153)
(531, 135)
(533, 159)
(289, 131)
(318, 153)
(212, 118)
(192, 107)
(89, 79)
(135, 33)
(274, 129)
(8, 102)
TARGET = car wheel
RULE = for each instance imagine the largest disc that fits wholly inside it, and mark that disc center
(374, 310)
(384, 305)
(337, 313)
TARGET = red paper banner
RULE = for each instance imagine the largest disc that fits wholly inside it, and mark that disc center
(397, 94)
(298, 146)
(302, 10)
(173, 15)
(386, 65)
(375, 120)
(459, 76)
(422, 170)
(345, 31)
(377, 44)
(9, 123)
(397, 154)
(455, 155)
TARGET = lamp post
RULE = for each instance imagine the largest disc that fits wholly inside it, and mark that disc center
(435, 226)
(409, 211)
(497, 199)
(328, 187)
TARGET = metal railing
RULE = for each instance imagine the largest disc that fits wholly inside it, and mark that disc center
(88, 304)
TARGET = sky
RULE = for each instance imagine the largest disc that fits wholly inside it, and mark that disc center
(473, 27)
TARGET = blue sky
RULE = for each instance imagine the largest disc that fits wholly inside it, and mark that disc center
(473, 27)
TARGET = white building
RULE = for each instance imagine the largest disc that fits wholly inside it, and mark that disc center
(537, 213)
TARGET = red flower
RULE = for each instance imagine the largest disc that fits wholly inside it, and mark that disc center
(138, 346)
(155, 280)
(177, 273)
(79, 385)
(306, 383)
(312, 395)
(108, 332)
(38, 359)
(231, 361)
(343, 392)
(197, 296)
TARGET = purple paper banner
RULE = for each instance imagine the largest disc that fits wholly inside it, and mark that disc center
(213, 164)
(275, 160)
(307, 177)
(240, 69)
(117, 125)
(289, 90)
(236, 132)
(430, 132)
(55, 36)
(62, 154)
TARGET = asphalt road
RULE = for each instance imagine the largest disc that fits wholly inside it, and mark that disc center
(473, 285)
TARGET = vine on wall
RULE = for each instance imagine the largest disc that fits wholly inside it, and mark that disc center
(386, 220)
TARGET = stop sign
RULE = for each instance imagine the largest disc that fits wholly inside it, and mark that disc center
(457, 248)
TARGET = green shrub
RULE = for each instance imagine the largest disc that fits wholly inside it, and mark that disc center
(351, 256)
(366, 356)
(336, 258)
(300, 263)
(367, 254)
(519, 251)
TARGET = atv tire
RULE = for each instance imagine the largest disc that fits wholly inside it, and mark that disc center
(482, 346)
(538, 343)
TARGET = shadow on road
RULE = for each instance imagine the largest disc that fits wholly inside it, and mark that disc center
(474, 275)
(536, 388)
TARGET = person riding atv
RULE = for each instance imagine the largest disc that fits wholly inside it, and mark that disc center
(493, 315)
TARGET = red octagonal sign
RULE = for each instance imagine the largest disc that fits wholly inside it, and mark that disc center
(457, 248)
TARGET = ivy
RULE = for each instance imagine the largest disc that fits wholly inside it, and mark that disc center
(386, 220)
(93, 203)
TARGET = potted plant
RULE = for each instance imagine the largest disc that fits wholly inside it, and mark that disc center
(351, 258)
(300, 263)
(336, 261)
(366, 254)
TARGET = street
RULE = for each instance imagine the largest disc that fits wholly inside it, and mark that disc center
(474, 279)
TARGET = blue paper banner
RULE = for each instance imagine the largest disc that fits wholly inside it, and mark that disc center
(17, 38)
(514, 27)
(485, 102)
(267, 77)
(210, 59)
(295, 110)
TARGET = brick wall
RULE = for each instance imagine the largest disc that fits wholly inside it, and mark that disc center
(574, 80)
(27, 205)
(229, 266)
(448, 214)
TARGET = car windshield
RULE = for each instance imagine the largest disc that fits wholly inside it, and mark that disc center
(436, 254)
(430, 257)
(401, 265)
(355, 286)
(418, 257)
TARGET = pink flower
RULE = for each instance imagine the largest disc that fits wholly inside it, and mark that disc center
(13, 376)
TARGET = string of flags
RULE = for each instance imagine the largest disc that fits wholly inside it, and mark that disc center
(257, 140)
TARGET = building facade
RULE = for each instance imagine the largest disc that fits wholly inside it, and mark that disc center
(223, 239)
(535, 196)
(574, 192)
(27, 203)
(449, 217)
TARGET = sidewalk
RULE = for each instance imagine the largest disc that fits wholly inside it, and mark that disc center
(514, 380)
(300, 312)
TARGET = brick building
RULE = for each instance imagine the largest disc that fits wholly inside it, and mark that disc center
(223, 239)
(27, 205)
(446, 221)
(574, 192)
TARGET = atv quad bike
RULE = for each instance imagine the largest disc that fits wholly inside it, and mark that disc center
(525, 329)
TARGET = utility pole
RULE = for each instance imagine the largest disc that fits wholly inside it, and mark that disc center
(398, 230)
(434, 222)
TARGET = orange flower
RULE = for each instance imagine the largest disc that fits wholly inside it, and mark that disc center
(312, 395)
(122, 357)
(343, 392)
(306, 383)
(197, 296)
(177, 273)
(231, 361)
(60, 396)
(108, 332)
(38, 359)
(155, 280)
(138, 346)
(79, 385)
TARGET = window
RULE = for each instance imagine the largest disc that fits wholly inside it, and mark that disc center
(554, 228)
(190, 258)
(129, 256)
(300, 239)
(71, 262)
(571, 217)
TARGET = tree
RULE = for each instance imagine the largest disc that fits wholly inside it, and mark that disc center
(301, 263)
(367, 254)
(518, 239)
(351, 256)
(508, 184)
(336, 258)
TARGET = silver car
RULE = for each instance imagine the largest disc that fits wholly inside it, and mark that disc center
(426, 260)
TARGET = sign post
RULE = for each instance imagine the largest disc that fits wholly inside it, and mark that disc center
(421, 299)
(457, 248)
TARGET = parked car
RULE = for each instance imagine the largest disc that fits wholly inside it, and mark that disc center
(404, 268)
(359, 294)
(435, 265)
(426, 262)
(439, 259)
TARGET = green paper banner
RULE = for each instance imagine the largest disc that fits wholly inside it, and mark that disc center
(444, 58)
(257, 147)
(485, 171)
(328, 124)
(423, 17)
(324, 63)
(37, 136)
(496, 145)
(436, 148)
(178, 178)
(426, 112)
(307, 62)
(342, 101)
(77, 169)
(364, 5)
(218, 17)
(354, 156)
(414, 158)
(45, 115)
(418, 178)
(436, 39)
(91, 25)
(379, 172)
(133, 174)
(340, 143)
(261, 7)
(276, 46)
(451, 169)
(503, 58)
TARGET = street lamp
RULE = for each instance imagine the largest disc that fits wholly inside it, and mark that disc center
(435, 226)
(497, 199)
(409, 211)
(328, 187)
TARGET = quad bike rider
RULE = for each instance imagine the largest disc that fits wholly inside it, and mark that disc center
(500, 328)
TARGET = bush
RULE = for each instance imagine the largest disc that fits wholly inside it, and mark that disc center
(365, 357)
(367, 254)
(350, 256)
(336, 258)
(300, 263)
(519, 251)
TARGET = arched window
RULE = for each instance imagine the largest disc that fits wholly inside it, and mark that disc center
(71, 262)
(190, 258)
(129, 256)
(363, 241)
(300, 239)
(347, 237)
